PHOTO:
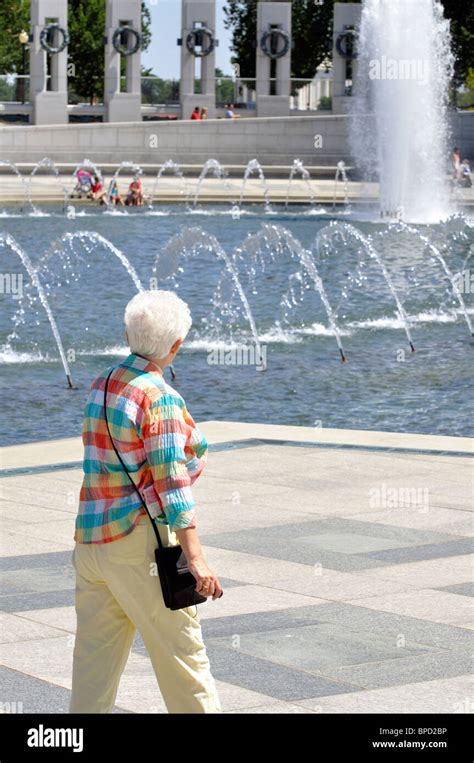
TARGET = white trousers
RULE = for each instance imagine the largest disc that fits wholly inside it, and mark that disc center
(115, 596)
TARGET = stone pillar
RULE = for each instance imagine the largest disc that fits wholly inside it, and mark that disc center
(196, 14)
(345, 15)
(122, 104)
(273, 101)
(49, 101)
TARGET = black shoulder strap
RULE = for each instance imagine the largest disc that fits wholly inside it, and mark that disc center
(122, 463)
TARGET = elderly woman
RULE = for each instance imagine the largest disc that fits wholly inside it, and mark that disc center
(164, 452)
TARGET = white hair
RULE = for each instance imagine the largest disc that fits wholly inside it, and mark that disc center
(154, 320)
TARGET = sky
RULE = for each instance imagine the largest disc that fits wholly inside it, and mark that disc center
(163, 55)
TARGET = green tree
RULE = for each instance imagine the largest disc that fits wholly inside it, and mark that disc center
(86, 47)
(241, 17)
(312, 35)
(461, 17)
(157, 90)
(225, 89)
(465, 98)
(14, 17)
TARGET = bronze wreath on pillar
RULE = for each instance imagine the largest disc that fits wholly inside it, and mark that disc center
(271, 40)
(121, 38)
(346, 44)
(47, 36)
(195, 39)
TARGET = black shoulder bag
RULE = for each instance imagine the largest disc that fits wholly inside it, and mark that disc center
(177, 582)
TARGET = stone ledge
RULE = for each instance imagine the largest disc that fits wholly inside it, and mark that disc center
(69, 449)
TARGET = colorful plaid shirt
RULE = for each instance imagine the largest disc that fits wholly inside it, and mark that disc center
(159, 443)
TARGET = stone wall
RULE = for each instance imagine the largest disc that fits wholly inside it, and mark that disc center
(462, 126)
(273, 141)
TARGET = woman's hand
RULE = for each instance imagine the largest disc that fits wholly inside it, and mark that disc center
(207, 583)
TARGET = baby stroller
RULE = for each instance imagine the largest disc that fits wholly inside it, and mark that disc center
(83, 183)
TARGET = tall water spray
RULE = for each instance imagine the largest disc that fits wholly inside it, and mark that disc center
(398, 130)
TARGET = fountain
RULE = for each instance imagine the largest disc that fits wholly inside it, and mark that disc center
(47, 271)
(87, 238)
(269, 243)
(256, 266)
(255, 166)
(340, 175)
(211, 167)
(452, 279)
(7, 240)
(176, 170)
(188, 243)
(271, 291)
(49, 165)
(398, 130)
(218, 171)
(344, 229)
(14, 168)
(298, 166)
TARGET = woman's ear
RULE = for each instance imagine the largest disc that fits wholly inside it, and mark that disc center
(175, 347)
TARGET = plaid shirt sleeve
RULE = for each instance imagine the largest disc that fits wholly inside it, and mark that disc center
(196, 448)
(176, 452)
